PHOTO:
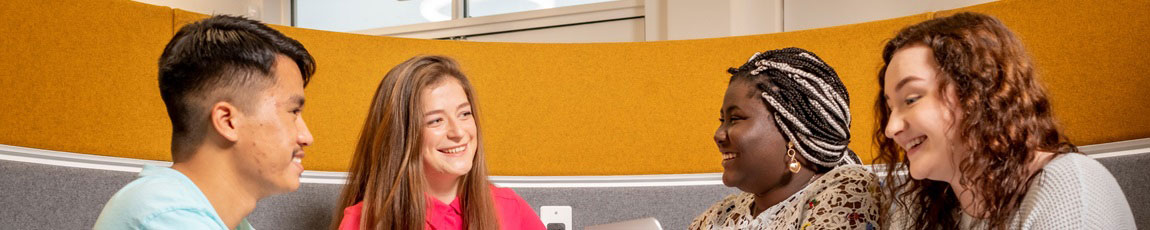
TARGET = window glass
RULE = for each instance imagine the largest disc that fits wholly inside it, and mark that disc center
(478, 8)
(352, 15)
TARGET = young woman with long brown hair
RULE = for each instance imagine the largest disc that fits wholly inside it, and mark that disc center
(960, 107)
(419, 163)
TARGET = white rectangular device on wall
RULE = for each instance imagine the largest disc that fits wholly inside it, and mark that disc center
(553, 216)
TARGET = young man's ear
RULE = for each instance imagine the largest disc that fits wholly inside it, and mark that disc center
(224, 120)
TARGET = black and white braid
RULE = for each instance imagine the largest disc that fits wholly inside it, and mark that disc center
(810, 103)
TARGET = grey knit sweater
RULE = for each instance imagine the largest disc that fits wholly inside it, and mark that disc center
(1073, 192)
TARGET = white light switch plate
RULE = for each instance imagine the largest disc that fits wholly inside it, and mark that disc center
(556, 214)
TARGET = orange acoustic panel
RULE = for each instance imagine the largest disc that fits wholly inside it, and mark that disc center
(547, 109)
(81, 76)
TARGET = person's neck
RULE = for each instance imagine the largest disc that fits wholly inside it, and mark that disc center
(968, 197)
(216, 177)
(444, 188)
(784, 190)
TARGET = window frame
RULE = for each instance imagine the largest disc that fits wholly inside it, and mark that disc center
(459, 27)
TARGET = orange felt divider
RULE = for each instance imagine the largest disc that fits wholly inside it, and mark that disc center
(546, 109)
(81, 76)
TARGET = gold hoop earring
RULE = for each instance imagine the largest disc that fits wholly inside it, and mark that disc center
(793, 164)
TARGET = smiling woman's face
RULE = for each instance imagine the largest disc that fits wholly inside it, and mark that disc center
(921, 119)
(450, 136)
(753, 149)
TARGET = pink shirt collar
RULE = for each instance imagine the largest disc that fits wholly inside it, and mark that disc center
(443, 216)
(513, 212)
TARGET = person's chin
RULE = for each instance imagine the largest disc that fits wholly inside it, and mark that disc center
(915, 175)
(918, 171)
(460, 168)
(462, 171)
(292, 187)
(285, 187)
(728, 179)
(292, 184)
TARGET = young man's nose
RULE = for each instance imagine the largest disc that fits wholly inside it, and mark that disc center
(304, 137)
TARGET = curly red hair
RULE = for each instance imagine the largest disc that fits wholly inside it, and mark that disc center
(1006, 118)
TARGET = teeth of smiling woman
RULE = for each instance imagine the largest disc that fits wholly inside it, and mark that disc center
(297, 160)
(915, 142)
(728, 156)
(457, 150)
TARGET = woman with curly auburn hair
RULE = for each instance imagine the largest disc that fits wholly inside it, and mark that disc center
(960, 107)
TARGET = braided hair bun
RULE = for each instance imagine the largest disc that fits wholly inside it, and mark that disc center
(809, 101)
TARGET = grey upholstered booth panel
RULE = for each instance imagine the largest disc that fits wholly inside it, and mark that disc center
(39, 196)
(311, 207)
(673, 206)
(1133, 174)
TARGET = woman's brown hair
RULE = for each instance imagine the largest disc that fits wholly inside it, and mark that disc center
(387, 172)
(1006, 118)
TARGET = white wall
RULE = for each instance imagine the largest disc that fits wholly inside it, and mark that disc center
(810, 14)
(756, 17)
(693, 19)
(267, 11)
(690, 19)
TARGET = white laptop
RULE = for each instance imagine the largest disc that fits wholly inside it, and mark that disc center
(648, 223)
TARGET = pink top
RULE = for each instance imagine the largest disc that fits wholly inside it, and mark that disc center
(513, 213)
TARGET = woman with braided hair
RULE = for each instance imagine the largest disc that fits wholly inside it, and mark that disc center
(785, 126)
(961, 108)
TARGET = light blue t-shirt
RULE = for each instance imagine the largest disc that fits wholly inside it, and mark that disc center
(161, 198)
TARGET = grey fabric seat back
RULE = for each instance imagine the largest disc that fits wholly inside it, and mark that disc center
(39, 195)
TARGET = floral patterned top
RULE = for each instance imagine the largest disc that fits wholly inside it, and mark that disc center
(845, 198)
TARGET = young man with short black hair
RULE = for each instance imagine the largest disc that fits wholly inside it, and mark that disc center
(234, 90)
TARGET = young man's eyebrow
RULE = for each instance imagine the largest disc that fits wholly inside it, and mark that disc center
(299, 100)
